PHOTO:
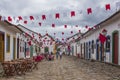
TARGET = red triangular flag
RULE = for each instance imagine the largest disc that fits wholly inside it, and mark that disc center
(65, 26)
(89, 29)
(43, 17)
(25, 22)
(71, 32)
(53, 25)
(31, 18)
(86, 26)
(76, 26)
(107, 6)
(9, 18)
(104, 30)
(89, 10)
(46, 34)
(62, 33)
(102, 38)
(29, 42)
(40, 23)
(20, 18)
(67, 38)
(33, 35)
(72, 13)
(57, 15)
(26, 34)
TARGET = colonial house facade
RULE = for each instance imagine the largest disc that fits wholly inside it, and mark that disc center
(102, 43)
(29, 43)
(8, 40)
(72, 47)
(47, 44)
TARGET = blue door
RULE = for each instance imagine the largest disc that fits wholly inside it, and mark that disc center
(97, 49)
(89, 50)
(86, 51)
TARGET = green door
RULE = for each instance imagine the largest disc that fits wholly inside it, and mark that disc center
(31, 51)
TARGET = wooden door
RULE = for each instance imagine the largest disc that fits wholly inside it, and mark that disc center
(84, 50)
(81, 51)
(31, 51)
(18, 47)
(89, 50)
(1, 47)
(76, 50)
(14, 48)
(115, 47)
(97, 50)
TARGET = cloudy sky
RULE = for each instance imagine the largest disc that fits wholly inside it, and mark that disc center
(36, 8)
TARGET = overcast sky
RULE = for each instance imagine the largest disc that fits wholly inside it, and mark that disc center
(37, 8)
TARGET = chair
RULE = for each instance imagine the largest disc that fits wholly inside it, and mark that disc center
(1, 70)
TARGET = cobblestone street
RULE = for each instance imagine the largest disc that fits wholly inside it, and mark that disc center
(71, 68)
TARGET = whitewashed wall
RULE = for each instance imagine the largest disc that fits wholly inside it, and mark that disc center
(110, 26)
(6, 30)
(47, 44)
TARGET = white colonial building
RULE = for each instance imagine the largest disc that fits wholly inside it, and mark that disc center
(29, 43)
(8, 40)
(72, 44)
(102, 43)
(47, 44)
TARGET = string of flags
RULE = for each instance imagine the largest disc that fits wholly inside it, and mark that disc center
(57, 16)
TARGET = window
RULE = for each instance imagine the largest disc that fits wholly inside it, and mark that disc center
(14, 48)
(92, 46)
(8, 43)
(108, 44)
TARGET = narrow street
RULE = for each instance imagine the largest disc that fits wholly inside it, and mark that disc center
(71, 68)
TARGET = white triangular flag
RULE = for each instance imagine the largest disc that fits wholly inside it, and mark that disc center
(64, 14)
(17, 21)
(3, 18)
(37, 17)
(117, 5)
(14, 17)
(50, 16)
(32, 22)
(80, 11)
(25, 17)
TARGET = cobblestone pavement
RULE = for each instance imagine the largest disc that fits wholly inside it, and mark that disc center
(71, 68)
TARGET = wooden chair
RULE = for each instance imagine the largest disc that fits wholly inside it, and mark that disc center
(29, 65)
(6, 68)
(1, 70)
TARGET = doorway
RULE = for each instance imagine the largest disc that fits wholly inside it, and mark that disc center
(115, 47)
(14, 48)
(1, 46)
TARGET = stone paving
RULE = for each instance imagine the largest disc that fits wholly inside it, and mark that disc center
(71, 68)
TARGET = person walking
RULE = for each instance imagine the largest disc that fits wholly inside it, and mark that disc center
(57, 53)
(61, 54)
